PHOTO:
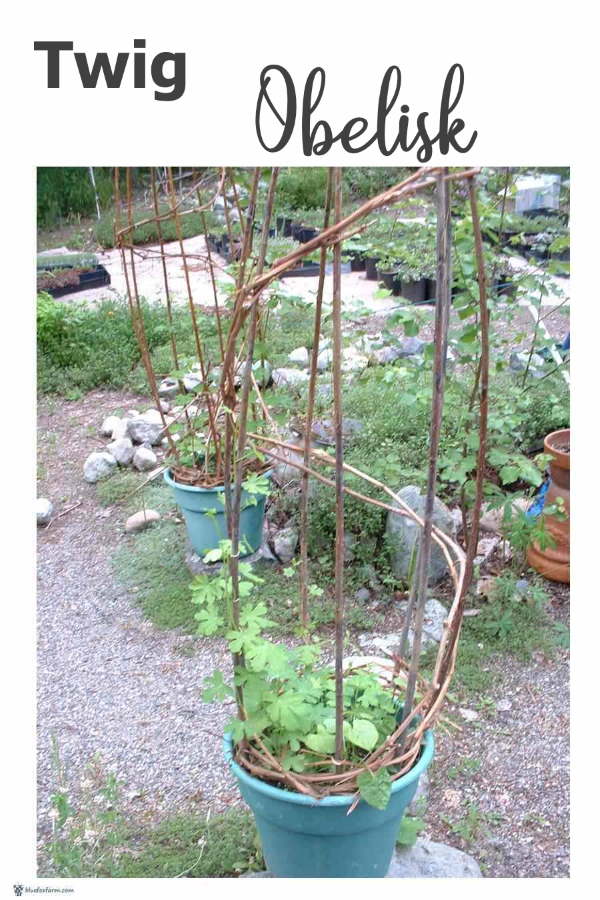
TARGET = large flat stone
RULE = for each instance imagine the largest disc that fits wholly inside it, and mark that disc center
(425, 859)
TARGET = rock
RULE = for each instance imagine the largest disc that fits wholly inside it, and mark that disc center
(434, 616)
(323, 430)
(191, 382)
(411, 346)
(165, 406)
(324, 359)
(504, 705)
(108, 425)
(378, 665)
(353, 360)
(469, 714)
(284, 473)
(486, 548)
(140, 520)
(300, 356)
(385, 355)
(43, 510)
(144, 459)
(144, 429)
(98, 466)
(289, 377)
(132, 413)
(285, 543)
(263, 372)
(122, 450)
(152, 415)
(402, 533)
(428, 859)
(363, 595)
(433, 626)
(168, 388)
(325, 391)
(120, 431)
(175, 437)
(518, 363)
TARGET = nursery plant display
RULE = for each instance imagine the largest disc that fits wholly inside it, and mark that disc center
(319, 749)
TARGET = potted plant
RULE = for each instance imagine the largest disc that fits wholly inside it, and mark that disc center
(552, 558)
(315, 818)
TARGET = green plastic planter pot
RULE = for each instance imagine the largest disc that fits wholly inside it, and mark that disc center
(306, 838)
(204, 513)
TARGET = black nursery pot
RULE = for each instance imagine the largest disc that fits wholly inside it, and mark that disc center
(430, 290)
(391, 280)
(371, 267)
(415, 291)
(287, 227)
(357, 262)
(505, 287)
(296, 230)
(307, 234)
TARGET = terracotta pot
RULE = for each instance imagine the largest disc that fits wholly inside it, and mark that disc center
(554, 562)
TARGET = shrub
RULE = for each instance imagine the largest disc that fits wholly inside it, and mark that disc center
(302, 187)
(82, 347)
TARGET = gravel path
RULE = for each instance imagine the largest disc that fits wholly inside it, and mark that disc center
(108, 681)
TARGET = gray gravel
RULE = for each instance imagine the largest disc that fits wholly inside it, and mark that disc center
(109, 681)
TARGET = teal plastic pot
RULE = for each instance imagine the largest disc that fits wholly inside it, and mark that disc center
(203, 510)
(306, 838)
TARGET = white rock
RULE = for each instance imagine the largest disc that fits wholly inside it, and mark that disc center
(132, 413)
(353, 360)
(108, 425)
(165, 406)
(43, 510)
(324, 359)
(141, 520)
(152, 415)
(144, 459)
(192, 382)
(120, 431)
(141, 431)
(300, 356)
(469, 714)
(485, 549)
(122, 450)
(98, 466)
(289, 377)
(168, 388)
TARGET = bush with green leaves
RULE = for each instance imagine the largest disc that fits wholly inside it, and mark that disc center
(302, 187)
(82, 347)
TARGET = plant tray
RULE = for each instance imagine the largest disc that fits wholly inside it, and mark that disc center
(94, 278)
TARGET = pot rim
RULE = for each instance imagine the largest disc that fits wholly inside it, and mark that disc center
(194, 489)
(276, 793)
(560, 458)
